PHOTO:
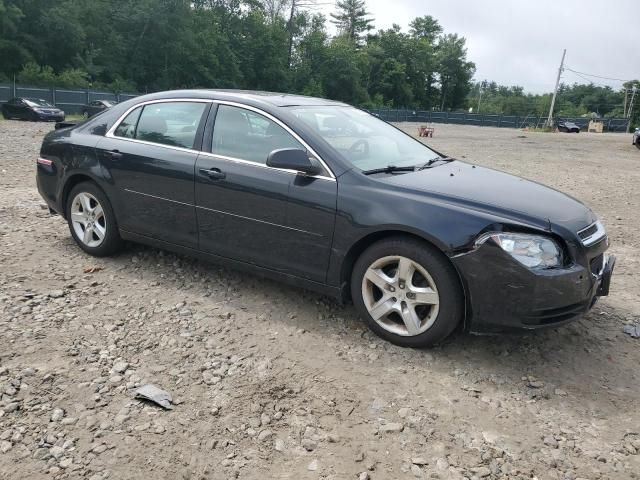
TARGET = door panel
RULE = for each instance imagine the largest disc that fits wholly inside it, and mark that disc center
(242, 216)
(150, 159)
(261, 215)
(155, 189)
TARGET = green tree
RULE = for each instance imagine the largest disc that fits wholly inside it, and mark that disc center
(454, 71)
(352, 19)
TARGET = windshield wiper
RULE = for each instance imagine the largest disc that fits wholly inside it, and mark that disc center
(413, 168)
(389, 169)
(434, 160)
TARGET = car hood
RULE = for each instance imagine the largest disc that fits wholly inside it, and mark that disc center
(498, 193)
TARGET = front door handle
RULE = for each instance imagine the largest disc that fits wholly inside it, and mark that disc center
(114, 154)
(213, 173)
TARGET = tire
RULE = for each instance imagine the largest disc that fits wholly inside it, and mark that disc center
(85, 114)
(435, 300)
(103, 239)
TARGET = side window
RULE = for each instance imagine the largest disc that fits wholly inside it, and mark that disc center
(171, 123)
(127, 127)
(246, 135)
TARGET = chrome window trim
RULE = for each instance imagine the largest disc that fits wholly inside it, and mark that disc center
(262, 165)
(595, 237)
(116, 124)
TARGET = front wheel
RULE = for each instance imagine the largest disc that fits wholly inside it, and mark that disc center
(408, 292)
(91, 220)
(85, 114)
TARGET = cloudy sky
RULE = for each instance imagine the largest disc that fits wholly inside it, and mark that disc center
(520, 42)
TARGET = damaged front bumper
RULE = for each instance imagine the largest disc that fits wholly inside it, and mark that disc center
(504, 295)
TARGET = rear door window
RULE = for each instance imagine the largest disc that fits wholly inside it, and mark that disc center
(171, 123)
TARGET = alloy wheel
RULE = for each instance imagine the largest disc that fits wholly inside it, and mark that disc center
(88, 220)
(400, 295)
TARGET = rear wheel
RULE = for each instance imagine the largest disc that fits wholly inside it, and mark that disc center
(85, 114)
(407, 292)
(91, 220)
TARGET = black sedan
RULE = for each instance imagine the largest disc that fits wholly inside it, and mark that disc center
(327, 197)
(33, 109)
(97, 106)
(568, 127)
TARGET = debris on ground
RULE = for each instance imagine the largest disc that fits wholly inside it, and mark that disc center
(156, 395)
(632, 329)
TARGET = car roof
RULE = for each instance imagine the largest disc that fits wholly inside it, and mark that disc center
(246, 96)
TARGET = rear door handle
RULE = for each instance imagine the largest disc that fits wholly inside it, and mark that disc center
(213, 173)
(114, 154)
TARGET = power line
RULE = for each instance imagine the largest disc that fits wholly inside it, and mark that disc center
(597, 76)
(589, 80)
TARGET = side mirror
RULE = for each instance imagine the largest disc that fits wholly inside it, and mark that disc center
(294, 159)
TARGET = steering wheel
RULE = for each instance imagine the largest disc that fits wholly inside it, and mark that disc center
(354, 149)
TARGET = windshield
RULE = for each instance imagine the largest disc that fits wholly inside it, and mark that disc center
(364, 140)
(37, 102)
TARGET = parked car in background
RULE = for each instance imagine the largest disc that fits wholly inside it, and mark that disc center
(96, 106)
(328, 197)
(636, 138)
(568, 127)
(33, 109)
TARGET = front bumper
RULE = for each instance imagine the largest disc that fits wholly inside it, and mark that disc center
(503, 295)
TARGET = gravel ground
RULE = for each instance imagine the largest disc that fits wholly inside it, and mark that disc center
(274, 382)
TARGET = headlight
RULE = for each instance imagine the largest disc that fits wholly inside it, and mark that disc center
(38, 110)
(533, 251)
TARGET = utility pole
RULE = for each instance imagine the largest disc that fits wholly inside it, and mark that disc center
(626, 94)
(555, 91)
(480, 95)
(633, 96)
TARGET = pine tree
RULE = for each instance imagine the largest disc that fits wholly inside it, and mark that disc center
(352, 19)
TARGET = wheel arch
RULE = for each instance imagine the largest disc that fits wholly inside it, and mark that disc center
(365, 242)
(71, 182)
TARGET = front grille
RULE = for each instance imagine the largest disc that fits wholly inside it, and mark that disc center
(596, 264)
(587, 232)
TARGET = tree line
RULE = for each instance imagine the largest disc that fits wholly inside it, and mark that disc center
(573, 100)
(277, 45)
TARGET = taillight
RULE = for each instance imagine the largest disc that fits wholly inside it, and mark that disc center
(45, 161)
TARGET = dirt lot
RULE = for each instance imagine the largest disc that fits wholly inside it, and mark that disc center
(275, 382)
